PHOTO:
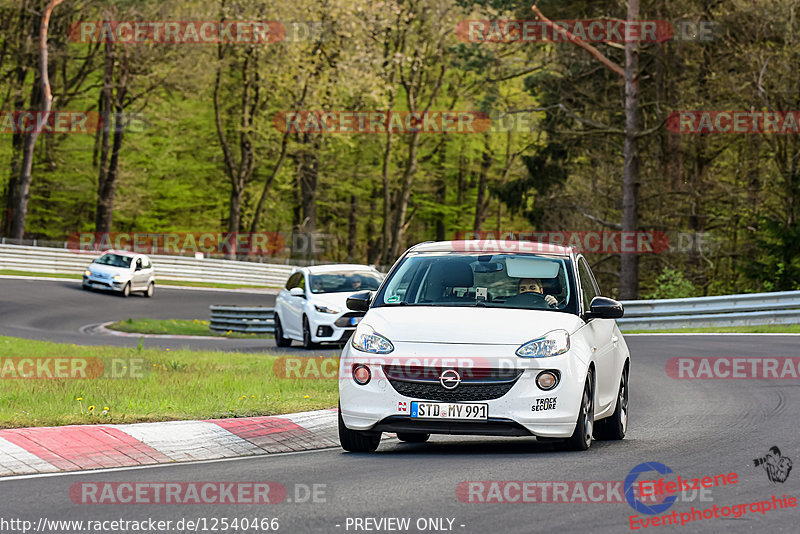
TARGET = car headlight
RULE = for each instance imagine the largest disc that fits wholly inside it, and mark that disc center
(87, 273)
(117, 278)
(551, 344)
(366, 339)
(325, 309)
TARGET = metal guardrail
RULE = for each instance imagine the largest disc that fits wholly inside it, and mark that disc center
(65, 261)
(728, 310)
(258, 320)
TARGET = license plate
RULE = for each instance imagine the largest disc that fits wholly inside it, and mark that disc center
(449, 410)
(354, 320)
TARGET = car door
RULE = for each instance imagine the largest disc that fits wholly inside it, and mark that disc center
(148, 271)
(602, 337)
(292, 309)
(140, 276)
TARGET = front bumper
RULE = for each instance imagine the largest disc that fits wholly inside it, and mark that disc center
(329, 328)
(106, 284)
(378, 405)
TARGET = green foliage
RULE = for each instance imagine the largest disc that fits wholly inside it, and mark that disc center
(671, 284)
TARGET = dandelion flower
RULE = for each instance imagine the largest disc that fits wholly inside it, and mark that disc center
(91, 408)
(79, 398)
(106, 408)
(306, 397)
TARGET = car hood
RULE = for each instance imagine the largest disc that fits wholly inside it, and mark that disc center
(99, 268)
(489, 326)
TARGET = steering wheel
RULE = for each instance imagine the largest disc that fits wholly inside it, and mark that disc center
(535, 300)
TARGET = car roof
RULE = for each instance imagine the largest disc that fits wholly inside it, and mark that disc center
(316, 269)
(493, 246)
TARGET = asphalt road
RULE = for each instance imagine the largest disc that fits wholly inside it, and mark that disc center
(56, 311)
(696, 427)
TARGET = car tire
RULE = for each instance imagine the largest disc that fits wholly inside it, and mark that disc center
(356, 440)
(150, 291)
(413, 437)
(126, 291)
(85, 287)
(581, 438)
(279, 339)
(307, 343)
(614, 427)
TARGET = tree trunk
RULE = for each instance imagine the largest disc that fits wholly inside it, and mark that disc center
(481, 203)
(352, 237)
(102, 221)
(629, 263)
(24, 184)
(404, 194)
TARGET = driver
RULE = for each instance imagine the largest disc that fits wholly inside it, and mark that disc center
(316, 285)
(534, 285)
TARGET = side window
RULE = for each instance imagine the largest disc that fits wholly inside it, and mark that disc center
(145, 263)
(588, 284)
(138, 263)
(293, 280)
(302, 282)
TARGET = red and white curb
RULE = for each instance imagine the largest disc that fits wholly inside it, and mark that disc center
(79, 447)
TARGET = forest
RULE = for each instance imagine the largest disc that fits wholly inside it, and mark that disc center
(367, 127)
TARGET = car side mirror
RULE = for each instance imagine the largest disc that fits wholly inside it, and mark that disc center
(297, 292)
(605, 308)
(359, 301)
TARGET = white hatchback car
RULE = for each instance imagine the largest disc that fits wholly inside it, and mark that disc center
(312, 309)
(123, 272)
(485, 338)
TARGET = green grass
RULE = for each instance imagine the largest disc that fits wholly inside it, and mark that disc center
(180, 327)
(760, 329)
(183, 283)
(168, 385)
(12, 272)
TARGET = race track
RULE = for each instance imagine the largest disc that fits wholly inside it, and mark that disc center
(697, 428)
(58, 310)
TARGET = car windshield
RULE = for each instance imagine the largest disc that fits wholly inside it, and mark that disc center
(524, 281)
(344, 281)
(115, 260)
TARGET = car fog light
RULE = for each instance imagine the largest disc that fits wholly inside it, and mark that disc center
(361, 374)
(546, 380)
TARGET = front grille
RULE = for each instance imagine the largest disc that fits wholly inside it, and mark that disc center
(463, 393)
(476, 383)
